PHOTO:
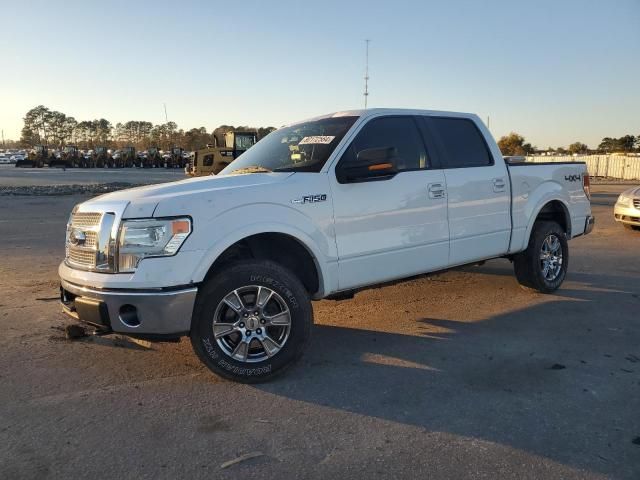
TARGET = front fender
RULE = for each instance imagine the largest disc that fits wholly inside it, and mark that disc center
(231, 226)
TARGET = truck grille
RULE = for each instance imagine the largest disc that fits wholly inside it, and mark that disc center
(79, 257)
(86, 219)
(636, 203)
(82, 240)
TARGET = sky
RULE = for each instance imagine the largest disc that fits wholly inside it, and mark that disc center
(555, 71)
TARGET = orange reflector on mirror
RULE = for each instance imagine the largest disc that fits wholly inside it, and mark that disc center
(380, 166)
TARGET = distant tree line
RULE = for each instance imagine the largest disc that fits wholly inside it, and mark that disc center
(53, 128)
(515, 144)
(43, 126)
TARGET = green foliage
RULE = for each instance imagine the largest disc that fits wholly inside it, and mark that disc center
(578, 147)
(626, 143)
(514, 144)
(46, 127)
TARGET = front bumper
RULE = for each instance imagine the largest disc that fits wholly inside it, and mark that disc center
(628, 215)
(136, 312)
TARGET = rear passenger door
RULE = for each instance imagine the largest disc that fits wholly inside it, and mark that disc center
(478, 195)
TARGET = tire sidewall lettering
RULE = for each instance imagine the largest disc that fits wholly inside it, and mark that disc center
(276, 284)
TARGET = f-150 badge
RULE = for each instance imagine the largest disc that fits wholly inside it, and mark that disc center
(321, 197)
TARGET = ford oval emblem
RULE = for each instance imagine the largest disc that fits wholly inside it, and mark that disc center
(77, 237)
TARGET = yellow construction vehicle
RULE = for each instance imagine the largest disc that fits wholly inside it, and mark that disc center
(213, 158)
(70, 157)
(37, 158)
(101, 157)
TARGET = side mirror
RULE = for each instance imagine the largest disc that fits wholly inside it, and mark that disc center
(370, 164)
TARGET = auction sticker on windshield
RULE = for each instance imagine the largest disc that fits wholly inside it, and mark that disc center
(317, 139)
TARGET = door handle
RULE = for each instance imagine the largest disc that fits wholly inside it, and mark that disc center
(437, 190)
(498, 184)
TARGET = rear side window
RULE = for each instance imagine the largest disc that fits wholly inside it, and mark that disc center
(461, 142)
(400, 133)
(207, 160)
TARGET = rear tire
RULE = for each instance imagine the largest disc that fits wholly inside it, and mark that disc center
(543, 265)
(251, 321)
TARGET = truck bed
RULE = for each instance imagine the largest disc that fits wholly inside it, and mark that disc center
(533, 183)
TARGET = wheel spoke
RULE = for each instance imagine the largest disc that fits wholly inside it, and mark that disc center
(234, 301)
(545, 270)
(241, 351)
(270, 346)
(223, 329)
(279, 319)
(263, 297)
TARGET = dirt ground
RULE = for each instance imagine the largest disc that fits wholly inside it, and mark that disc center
(459, 375)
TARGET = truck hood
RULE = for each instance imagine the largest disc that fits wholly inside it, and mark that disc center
(143, 202)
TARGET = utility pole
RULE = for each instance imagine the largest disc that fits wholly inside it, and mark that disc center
(488, 122)
(2, 138)
(166, 120)
(366, 75)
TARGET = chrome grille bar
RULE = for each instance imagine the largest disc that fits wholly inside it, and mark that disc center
(89, 241)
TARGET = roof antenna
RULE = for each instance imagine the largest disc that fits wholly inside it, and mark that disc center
(366, 75)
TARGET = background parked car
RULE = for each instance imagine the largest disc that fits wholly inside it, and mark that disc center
(627, 209)
(17, 157)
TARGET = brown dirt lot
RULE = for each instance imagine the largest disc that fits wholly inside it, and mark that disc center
(458, 375)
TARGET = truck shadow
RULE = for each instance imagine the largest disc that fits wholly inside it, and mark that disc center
(554, 379)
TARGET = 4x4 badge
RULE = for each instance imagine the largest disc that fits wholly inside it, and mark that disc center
(572, 178)
(321, 197)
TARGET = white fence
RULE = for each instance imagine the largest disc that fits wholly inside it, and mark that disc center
(612, 166)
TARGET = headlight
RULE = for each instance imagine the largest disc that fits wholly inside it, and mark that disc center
(140, 239)
(624, 200)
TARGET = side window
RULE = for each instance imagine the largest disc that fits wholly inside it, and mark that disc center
(207, 160)
(400, 133)
(461, 141)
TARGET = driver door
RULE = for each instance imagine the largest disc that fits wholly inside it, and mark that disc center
(389, 226)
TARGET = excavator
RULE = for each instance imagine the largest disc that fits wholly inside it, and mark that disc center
(213, 158)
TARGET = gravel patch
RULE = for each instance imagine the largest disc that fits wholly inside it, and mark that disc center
(55, 190)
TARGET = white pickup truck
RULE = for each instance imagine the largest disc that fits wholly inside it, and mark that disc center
(317, 209)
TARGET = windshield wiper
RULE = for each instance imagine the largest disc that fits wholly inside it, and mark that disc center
(251, 169)
(308, 166)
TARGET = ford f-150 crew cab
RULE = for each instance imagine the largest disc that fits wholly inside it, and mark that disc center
(317, 209)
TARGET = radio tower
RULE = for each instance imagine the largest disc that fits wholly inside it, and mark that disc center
(366, 75)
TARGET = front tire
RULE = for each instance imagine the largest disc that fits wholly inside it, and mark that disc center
(543, 265)
(251, 321)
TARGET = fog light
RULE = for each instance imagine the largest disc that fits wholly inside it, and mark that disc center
(129, 316)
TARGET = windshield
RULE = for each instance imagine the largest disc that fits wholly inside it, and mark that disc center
(244, 142)
(303, 147)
